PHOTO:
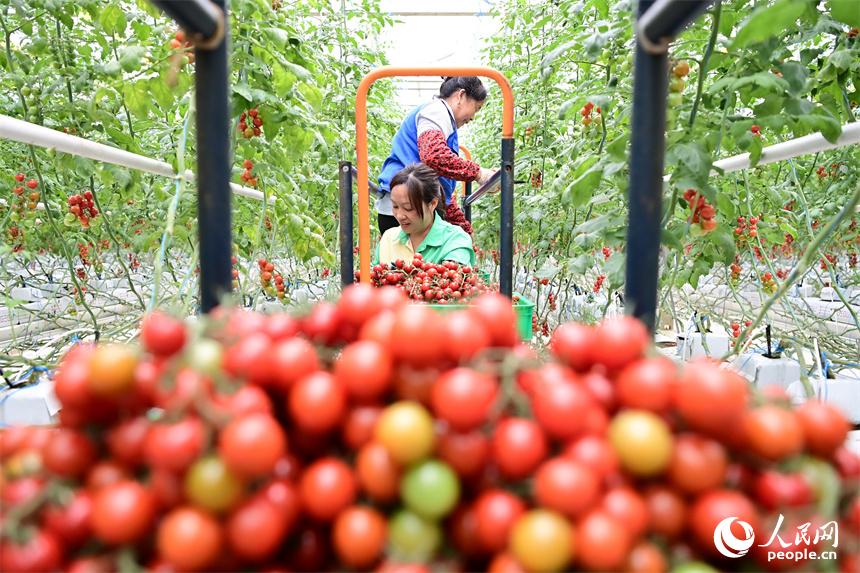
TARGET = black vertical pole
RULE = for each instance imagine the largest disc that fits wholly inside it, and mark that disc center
(346, 224)
(213, 168)
(647, 150)
(467, 209)
(506, 235)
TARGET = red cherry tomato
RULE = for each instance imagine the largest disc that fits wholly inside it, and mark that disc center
(519, 446)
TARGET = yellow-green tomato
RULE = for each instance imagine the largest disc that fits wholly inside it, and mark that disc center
(643, 442)
(210, 485)
(406, 430)
(542, 541)
(430, 489)
(413, 538)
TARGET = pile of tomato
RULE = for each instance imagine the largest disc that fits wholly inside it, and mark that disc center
(443, 283)
(373, 434)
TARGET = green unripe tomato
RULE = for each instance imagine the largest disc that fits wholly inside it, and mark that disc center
(696, 230)
(33, 118)
(675, 100)
(735, 282)
(626, 66)
(412, 538)
(620, 59)
(14, 217)
(270, 291)
(677, 85)
(25, 91)
(37, 91)
(606, 55)
(694, 567)
(69, 218)
(430, 489)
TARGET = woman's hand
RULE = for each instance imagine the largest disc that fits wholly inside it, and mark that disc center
(484, 175)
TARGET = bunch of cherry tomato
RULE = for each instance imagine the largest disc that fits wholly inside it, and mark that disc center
(444, 283)
(268, 275)
(751, 230)
(246, 176)
(82, 210)
(768, 282)
(373, 434)
(181, 41)
(25, 204)
(701, 213)
(250, 123)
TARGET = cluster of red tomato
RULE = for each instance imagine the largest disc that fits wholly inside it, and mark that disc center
(256, 123)
(84, 252)
(82, 208)
(701, 213)
(537, 178)
(585, 112)
(852, 259)
(627, 462)
(599, 283)
(830, 258)
(246, 176)
(736, 328)
(752, 231)
(267, 275)
(24, 203)
(444, 283)
(768, 282)
(606, 253)
(822, 171)
(180, 41)
(853, 33)
(132, 261)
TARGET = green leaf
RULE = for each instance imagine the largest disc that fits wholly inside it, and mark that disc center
(614, 268)
(580, 191)
(112, 19)
(312, 95)
(829, 127)
(617, 149)
(301, 73)
(845, 11)
(162, 94)
(609, 220)
(554, 54)
(137, 98)
(795, 74)
(130, 57)
(725, 241)
(278, 37)
(84, 166)
(282, 80)
(670, 240)
(581, 264)
(253, 95)
(789, 229)
(842, 60)
(755, 151)
(771, 21)
(765, 80)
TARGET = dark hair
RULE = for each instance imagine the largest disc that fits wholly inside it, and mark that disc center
(423, 186)
(473, 86)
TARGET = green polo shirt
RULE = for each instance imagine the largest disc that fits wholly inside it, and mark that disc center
(444, 242)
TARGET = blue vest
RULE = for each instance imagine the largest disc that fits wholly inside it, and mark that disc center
(404, 150)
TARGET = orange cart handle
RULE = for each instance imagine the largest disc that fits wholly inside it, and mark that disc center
(361, 134)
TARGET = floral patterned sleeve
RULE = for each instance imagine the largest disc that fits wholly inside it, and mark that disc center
(435, 153)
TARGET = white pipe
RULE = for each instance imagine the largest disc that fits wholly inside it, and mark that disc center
(30, 133)
(806, 145)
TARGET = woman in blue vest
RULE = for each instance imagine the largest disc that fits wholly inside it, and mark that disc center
(429, 135)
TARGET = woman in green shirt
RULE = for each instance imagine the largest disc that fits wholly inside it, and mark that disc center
(419, 207)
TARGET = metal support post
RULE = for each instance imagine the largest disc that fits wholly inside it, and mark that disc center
(346, 224)
(506, 234)
(647, 151)
(213, 166)
(467, 208)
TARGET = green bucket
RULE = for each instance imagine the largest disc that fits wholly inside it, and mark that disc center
(525, 309)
